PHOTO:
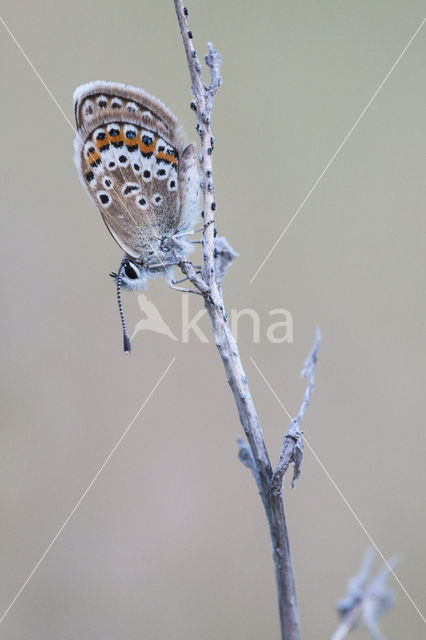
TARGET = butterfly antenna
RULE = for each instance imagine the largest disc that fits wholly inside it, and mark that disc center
(126, 339)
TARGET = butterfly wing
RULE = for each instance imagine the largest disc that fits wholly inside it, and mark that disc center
(127, 152)
(189, 188)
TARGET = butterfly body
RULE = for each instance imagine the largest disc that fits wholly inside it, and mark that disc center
(132, 160)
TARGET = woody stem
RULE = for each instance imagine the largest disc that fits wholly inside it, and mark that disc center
(210, 285)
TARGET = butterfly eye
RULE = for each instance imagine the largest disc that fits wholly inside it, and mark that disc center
(132, 276)
(130, 271)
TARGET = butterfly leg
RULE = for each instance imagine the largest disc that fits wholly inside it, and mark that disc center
(192, 232)
(179, 243)
(172, 286)
(161, 265)
(188, 233)
(185, 278)
(171, 282)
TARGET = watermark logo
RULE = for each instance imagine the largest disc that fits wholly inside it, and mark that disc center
(153, 320)
(276, 328)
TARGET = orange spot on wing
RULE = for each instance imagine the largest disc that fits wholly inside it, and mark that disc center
(147, 148)
(101, 143)
(93, 157)
(168, 157)
(135, 140)
(119, 138)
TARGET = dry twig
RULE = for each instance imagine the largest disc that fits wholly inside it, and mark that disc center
(217, 257)
(365, 600)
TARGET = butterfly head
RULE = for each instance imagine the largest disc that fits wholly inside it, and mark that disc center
(132, 276)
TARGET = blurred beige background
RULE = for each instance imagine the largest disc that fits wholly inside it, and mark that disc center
(171, 541)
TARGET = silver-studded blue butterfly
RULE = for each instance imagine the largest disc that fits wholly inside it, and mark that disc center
(131, 158)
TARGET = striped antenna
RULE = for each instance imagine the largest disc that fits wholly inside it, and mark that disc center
(126, 339)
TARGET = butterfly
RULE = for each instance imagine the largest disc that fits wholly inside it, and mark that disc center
(131, 158)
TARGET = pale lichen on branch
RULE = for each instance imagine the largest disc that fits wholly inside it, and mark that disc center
(217, 257)
(366, 600)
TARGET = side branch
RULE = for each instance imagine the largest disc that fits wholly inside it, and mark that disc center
(188, 269)
(366, 599)
(292, 447)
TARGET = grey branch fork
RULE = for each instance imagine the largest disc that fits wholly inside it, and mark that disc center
(217, 257)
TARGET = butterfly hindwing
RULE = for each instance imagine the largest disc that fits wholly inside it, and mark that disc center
(128, 153)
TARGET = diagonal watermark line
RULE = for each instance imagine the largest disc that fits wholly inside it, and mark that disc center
(335, 154)
(75, 131)
(92, 482)
(252, 360)
(333, 482)
(37, 74)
